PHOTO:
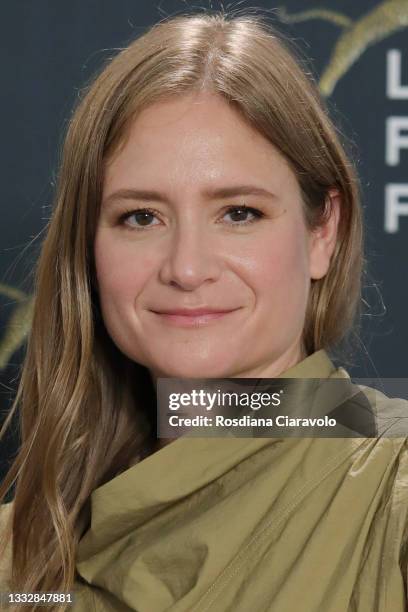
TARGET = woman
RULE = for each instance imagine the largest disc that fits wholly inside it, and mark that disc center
(207, 224)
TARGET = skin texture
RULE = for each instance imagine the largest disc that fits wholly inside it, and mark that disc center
(193, 252)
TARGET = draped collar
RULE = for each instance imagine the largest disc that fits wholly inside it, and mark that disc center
(175, 471)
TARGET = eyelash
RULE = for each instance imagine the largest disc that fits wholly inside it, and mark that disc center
(258, 214)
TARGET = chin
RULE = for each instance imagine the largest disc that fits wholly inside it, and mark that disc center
(193, 370)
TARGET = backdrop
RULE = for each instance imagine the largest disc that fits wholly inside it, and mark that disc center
(357, 50)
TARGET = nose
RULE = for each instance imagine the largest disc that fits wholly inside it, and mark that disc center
(190, 258)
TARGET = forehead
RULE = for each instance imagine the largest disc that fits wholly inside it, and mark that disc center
(197, 137)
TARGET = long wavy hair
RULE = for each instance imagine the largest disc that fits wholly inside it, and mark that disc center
(85, 408)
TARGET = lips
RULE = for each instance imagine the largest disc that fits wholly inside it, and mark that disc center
(197, 317)
(187, 312)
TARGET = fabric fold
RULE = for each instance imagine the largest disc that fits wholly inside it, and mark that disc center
(232, 524)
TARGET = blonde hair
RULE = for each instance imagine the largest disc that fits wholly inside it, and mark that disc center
(73, 376)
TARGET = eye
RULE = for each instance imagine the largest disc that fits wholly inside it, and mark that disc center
(142, 217)
(239, 214)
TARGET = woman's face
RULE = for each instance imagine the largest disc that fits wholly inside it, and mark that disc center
(173, 234)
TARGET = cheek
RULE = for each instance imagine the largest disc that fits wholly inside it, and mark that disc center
(278, 263)
(121, 273)
(280, 281)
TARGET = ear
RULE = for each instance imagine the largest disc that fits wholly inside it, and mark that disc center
(323, 238)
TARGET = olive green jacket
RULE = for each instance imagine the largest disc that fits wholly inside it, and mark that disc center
(254, 524)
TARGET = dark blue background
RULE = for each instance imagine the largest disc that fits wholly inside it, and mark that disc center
(50, 49)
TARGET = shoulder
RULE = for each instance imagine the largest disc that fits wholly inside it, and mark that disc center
(391, 413)
(5, 557)
(389, 447)
(380, 457)
(387, 456)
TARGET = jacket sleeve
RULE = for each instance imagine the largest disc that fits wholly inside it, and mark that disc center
(5, 558)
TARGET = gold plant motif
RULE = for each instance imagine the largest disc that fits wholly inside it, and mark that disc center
(382, 21)
(18, 325)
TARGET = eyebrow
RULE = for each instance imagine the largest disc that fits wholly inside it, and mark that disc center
(209, 194)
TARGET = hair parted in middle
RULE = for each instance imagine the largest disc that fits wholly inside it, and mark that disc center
(82, 402)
